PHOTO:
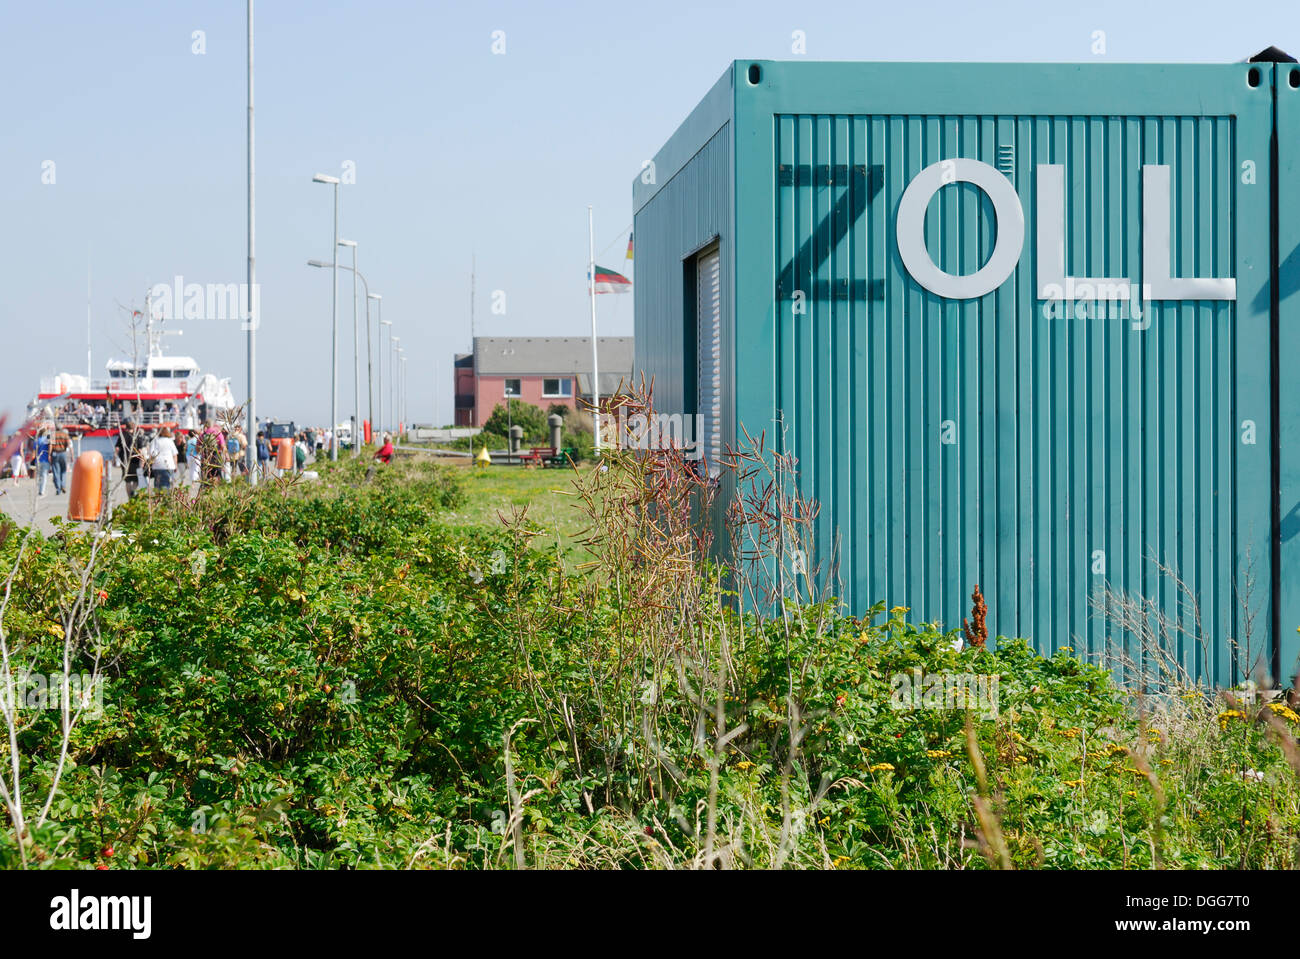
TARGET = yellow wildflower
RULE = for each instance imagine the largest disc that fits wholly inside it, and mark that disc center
(881, 767)
(1283, 710)
(1227, 716)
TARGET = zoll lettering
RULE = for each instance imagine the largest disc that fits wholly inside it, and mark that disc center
(1158, 283)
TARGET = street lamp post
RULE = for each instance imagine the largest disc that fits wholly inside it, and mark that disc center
(405, 412)
(389, 324)
(356, 355)
(334, 334)
(321, 264)
(392, 381)
(253, 318)
(370, 382)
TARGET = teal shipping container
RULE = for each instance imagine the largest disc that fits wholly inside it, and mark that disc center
(1027, 326)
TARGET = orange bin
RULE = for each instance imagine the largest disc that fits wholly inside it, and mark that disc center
(284, 453)
(86, 491)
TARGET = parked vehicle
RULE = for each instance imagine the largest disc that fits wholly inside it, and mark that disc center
(279, 430)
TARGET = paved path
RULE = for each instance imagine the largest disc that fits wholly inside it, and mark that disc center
(21, 503)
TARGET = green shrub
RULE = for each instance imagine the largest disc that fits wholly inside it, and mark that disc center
(580, 441)
(531, 418)
(325, 675)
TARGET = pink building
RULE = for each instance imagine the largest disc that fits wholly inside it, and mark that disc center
(541, 370)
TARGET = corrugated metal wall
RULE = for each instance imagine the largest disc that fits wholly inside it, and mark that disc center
(687, 213)
(1287, 86)
(955, 442)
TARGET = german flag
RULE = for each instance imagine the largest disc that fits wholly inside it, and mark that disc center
(607, 281)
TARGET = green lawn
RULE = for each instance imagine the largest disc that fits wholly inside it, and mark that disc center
(548, 494)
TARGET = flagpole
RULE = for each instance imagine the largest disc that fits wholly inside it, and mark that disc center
(254, 313)
(595, 363)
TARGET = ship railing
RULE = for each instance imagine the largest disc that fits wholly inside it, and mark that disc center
(112, 419)
(146, 418)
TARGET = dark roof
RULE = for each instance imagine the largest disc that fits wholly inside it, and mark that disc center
(547, 355)
(1272, 55)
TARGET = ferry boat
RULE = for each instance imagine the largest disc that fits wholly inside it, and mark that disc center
(158, 390)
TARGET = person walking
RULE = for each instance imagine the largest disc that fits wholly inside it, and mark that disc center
(59, 447)
(18, 461)
(162, 457)
(42, 460)
(300, 452)
(241, 455)
(212, 454)
(129, 452)
(263, 456)
(230, 461)
(192, 457)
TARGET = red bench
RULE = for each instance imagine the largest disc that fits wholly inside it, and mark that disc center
(538, 455)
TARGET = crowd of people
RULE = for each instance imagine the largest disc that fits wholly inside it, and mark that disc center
(209, 456)
(43, 454)
(162, 458)
(87, 414)
(99, 416)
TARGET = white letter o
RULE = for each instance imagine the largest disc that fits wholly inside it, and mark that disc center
(911, 229)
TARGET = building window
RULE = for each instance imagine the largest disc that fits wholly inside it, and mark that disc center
(555, 388)
(512, 388)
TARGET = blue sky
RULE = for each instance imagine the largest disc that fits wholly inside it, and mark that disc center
(457, 151)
